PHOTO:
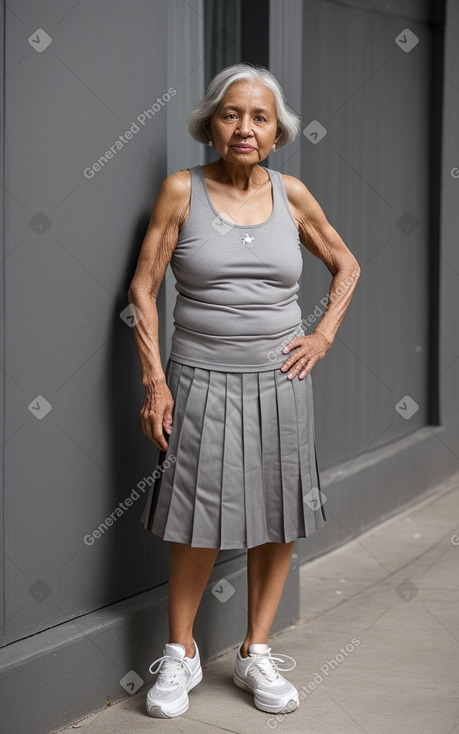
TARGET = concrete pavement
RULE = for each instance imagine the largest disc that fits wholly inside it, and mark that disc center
(376, 648)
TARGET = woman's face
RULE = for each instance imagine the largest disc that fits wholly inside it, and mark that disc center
(244, 125)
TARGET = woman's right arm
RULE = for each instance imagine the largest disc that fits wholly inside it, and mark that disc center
(167, 218)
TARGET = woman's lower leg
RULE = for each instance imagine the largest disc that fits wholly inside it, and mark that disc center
(189, 572)
(267, 569)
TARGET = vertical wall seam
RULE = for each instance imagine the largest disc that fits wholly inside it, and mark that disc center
(2, 347)
(435, 198)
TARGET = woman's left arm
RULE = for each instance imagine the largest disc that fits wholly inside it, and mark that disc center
(323, 241)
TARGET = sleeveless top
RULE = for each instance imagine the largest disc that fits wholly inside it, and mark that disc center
(237, 286)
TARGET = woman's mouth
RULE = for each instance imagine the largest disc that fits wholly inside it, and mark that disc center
(240, 148)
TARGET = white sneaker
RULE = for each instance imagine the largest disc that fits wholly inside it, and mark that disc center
(258, 673)
(177, 675)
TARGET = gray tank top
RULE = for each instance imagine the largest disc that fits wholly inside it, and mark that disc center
(237, 286)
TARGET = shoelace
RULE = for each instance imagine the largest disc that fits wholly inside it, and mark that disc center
(169, 665)
(265, 663)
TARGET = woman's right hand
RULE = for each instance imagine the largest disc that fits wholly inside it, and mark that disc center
(156, 413)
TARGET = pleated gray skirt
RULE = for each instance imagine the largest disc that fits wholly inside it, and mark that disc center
(241, 467)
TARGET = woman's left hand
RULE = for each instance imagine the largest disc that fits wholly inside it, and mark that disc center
(308, 351)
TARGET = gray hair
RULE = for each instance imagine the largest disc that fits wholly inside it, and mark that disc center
(288, 121)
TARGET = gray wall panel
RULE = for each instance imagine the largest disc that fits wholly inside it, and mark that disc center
(369, 170)
(408, 9)
(2, 314)
(371, 167)
(65, 288)
(449, 306)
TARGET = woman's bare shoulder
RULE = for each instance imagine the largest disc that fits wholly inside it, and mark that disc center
(295, 189)
(301, 198)
(173, 198)
(178, 185)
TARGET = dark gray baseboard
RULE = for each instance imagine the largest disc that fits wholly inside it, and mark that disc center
(371, 488)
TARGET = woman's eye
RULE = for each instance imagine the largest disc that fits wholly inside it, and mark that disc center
(233, 116)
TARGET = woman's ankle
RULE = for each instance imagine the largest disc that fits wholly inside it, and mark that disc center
(190, 650)
(244, 647)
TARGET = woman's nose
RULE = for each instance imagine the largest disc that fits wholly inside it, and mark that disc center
(244, 127)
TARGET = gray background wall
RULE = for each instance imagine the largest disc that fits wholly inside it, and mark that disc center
(77, 618)
(380, 178)
(65, 286)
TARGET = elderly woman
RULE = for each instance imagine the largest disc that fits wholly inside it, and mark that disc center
(232, 415)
